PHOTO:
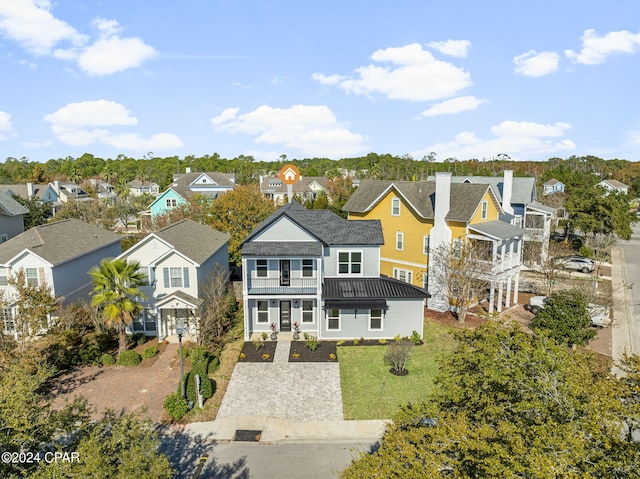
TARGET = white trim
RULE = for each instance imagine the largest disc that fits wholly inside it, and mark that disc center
(349, 273)
(484, 212)
(400, 241)
(393, 206)
(313, 312)
(268, 321)
(405, 263)
(425, 242)
(408, 275)
(381, 328)
(339, 329)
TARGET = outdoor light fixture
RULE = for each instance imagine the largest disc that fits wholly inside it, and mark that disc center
(295, 303)
(273, 302)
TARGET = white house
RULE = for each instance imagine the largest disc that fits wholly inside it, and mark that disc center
(139, 188)
(58, 255)
(176, 260)
(614, 185)
(308, 187)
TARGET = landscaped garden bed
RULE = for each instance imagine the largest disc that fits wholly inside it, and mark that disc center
(308, 352)
(258, 351)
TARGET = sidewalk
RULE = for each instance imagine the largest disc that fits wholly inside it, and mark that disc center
(623, 335)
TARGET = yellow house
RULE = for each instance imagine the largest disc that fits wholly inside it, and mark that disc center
(418, 216)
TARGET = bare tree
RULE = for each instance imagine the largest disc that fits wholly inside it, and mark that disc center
(217, 308)
(462, 273)
(601, 245)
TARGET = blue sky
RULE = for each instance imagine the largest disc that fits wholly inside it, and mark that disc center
(337, 78)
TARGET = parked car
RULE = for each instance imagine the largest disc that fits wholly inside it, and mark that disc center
(578, 263)
(600, 315)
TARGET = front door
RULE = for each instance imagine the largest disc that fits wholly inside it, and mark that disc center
(285, 272)
(285, 315)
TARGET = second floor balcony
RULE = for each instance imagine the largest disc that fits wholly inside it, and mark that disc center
(283, 285)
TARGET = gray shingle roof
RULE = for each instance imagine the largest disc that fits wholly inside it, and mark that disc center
(498, 229)
(465, 198)
(327, 226)
(523, 190)
(21, 190)
(195, 241)
(10, 207)
(221, 179)
(552, 182)
(58, 242)
(282, 248)
(301, 186)
(371, 288)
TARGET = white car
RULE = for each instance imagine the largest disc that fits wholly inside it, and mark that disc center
(579, 263)
(600, 315)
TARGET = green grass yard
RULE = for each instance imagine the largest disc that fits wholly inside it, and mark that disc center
(370, 391)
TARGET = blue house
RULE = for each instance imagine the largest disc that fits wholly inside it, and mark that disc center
(552, 186)
(316, 271)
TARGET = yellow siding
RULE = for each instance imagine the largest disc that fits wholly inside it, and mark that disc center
(492, 210)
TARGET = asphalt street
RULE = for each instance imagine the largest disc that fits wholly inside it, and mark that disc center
(631, 281)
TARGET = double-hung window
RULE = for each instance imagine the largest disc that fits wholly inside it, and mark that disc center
(349, 262)
(263, 311)
(171, 203)
(484, 210)
(176, 277)
(307, 268)
(4, 276)
(144, 270)
(404, 275)
(375, 319)
(395, 206)
(399, 241)
(307, 311)
(262, 268)
(32, 276)
(333, 319)
(425, 245)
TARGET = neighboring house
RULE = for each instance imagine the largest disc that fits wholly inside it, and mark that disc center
(307, 188)
(11, 217)
(103, 189)
(58, 255)
(44, 193)
(186, 185)
(614, 185)
(419, 216)
(552, 186)
(176, 261)
(139, 188)
(316, 269)
(67, 192)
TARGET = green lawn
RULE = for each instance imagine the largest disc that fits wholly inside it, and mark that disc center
(369, 391)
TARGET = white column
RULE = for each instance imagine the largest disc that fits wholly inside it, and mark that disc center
(500, 292)
(508, 297)
(516, 285)
(492, 293)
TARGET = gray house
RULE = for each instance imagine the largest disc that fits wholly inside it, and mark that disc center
(11, 217)
(319, 272)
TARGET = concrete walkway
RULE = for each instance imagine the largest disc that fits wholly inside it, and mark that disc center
(624, 336)
(288, 402)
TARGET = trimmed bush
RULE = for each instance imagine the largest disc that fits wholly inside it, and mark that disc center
(107, 360)
(176, 406)
(129, 358)
(139, 338)
(150, 351)
(207, 385)
(90, 354)
(199, 354)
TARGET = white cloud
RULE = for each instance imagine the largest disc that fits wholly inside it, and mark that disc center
(453, 106)
(90, 122)
(310, 130)
(455, 48)
(5, 125)
(417, 76)
(31, 25)
(596, 48)
(534, 64)
(519, 140)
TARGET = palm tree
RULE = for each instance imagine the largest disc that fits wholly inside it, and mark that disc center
(116, 290)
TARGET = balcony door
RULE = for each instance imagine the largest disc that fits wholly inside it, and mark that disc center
(285, 272)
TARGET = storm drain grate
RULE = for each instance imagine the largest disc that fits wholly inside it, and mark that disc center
(248, 435)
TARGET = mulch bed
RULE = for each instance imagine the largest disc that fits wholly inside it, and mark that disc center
(250, 354)
(321, 355)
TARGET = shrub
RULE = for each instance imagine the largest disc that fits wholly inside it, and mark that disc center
(397, 338)
(150, 351)
(107, 360)
(340, 342)
(138, 338)
(257, 344)
(199, 354)
(242, 356)
(382, 341)
(264, 336)
(106, 341)
(295, 355)
(89, 353)
(397, 355)
(312, 343)
(415, 338)
(266, 357)
(332, 356)
(356, 341)
(586, 251)
(176, 406)
(207, 386)
(129, 358)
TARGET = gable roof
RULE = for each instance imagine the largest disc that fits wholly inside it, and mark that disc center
(552, 182)
(523, 190)
(273, 184)
(465, 197)
(58, 242)
(22, 190)
(193, 240)
(328, 227)
(221, 179)
(141, 184)
(615, 183)
(10, 207)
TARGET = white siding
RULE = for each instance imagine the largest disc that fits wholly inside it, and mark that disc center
(284, 230)
(370, 260)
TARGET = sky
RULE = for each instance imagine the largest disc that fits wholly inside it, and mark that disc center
(531, 79)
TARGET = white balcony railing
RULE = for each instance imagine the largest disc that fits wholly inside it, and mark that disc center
(276, 286)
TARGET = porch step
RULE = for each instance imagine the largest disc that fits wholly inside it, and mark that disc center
(282, 352)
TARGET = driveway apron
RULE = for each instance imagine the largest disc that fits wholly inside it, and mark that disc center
(292, 391)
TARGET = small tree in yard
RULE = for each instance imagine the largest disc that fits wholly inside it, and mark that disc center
(397, 355)
(217, 308)
(601, 245)
(565, 318)
(461, 273)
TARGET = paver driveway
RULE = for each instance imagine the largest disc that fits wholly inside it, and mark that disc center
(293, 391)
